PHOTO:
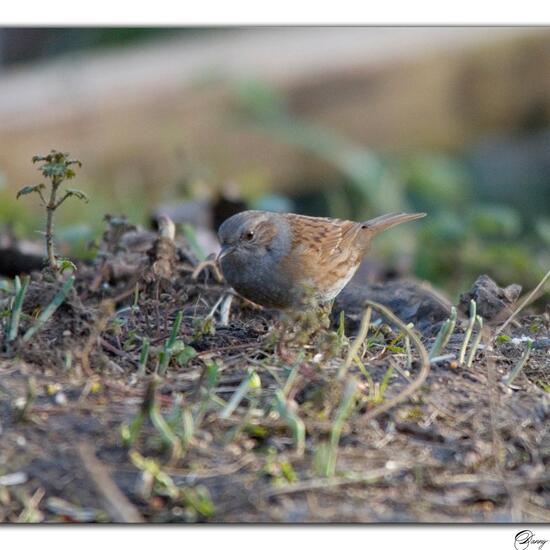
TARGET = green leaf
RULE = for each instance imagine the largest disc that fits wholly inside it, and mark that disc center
(168, 349)
(25, 191)
(294, 422)
(30, 189)
(395, 349)
(183, 357)
(21, 289)
(238, 396)
(65, 263)
(288, 471)
(78, 194)
(53, 169)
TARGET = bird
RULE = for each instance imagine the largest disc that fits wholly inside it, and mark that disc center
(290, 261)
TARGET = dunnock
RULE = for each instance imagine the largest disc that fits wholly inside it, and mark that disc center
(286, 261)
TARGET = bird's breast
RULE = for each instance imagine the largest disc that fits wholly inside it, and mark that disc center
(259, 280)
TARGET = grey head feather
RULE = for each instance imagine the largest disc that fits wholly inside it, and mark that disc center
(253, 269)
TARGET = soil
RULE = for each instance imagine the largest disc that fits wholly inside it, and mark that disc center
(470, 445)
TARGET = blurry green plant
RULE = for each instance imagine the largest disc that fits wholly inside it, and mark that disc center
(55, 167)
(379, 189)
(10, 324)
(462, 236)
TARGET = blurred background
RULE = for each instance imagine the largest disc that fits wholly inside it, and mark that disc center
(346, 122)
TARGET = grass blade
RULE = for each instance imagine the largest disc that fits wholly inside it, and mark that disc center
(150, 408)
(294, 422)
(238, 396)
(21, 289)
(363, 331)
(143, 356)
(424, 361)
(169, 345)
(444, 334)
(51, 308)
(468, 335)
(475, 343)
(341, 415)
(517, 369)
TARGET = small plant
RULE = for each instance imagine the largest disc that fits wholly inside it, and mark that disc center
(250, 382)
(155, 481)
(50, 309)
(468, 335)
(444, 334)
(55, 167)
(168, 349)
(342, 413)
(23, 405)
(475, 343)
(354, 349)
(293, 420)
(20, 290)
(143, 357)
(150, 408)
(522, 362)
(327, 453)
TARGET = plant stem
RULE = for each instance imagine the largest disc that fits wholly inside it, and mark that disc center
(468, 335)
(343, 412)
(524, 302)
(354, 349)
(523, 360)
(17, 305)
(476, 342)
(50, 209)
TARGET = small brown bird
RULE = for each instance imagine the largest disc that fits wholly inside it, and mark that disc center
(288, 261)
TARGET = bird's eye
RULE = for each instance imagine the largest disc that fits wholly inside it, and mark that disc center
(249, 235)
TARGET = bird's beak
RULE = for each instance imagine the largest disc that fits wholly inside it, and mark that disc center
(225, 250)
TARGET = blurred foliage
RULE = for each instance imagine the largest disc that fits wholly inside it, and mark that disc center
(466, 233)
(463, 235)
(365, 171)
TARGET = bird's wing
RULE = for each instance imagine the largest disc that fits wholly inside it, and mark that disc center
(327, 243)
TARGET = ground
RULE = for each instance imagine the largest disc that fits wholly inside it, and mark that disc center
(245, 415)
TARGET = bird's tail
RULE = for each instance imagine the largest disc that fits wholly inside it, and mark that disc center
(381, 223)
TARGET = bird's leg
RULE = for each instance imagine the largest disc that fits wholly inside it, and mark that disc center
(324, 311)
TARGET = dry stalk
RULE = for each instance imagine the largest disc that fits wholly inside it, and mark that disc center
(528, 299)
(424, 359)
(354, 349)
(117, 505)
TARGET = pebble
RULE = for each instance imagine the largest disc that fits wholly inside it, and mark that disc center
(60, 398)
(17, 478)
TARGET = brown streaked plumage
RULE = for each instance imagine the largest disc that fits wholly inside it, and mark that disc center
(287, 260)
